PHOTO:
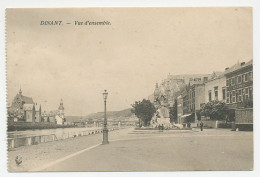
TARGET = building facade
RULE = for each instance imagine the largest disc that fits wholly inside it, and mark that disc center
(29, 113)
(215, 87)
(239, 83)
(193, 98)
(38, 112)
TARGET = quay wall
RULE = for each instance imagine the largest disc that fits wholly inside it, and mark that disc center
(34, 140)
(18, 126)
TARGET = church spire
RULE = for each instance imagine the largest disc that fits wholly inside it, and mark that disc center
(61, 105)
(20, 91)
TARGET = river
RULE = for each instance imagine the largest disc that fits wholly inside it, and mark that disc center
(59, 132)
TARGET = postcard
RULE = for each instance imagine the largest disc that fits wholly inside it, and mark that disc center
(129, 89)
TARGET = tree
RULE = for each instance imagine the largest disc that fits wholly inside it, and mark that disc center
(173, 112)
(215, 109)
(144, 111)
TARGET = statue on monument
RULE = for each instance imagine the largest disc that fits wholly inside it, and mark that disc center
(162, 116)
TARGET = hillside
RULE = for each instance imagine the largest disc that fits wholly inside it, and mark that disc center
(110, 114)
(100, 115)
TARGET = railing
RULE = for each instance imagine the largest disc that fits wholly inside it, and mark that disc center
(34, 140)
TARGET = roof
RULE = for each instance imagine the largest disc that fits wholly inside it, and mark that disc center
(238, 66)
(28, 107)
(27, 100)
(216, 75)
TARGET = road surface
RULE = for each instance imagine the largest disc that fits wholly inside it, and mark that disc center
(164, 151)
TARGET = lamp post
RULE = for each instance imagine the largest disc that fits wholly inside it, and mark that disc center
(105, 130)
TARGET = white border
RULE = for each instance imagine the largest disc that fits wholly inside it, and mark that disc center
(129, 3)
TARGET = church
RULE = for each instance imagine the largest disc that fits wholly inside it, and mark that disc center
(24, 109)
(60, 116)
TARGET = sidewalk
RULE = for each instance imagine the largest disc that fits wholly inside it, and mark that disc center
(41, 154)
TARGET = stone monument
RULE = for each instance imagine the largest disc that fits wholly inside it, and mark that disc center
(162, 116)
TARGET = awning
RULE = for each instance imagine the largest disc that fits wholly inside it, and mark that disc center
(186, 115)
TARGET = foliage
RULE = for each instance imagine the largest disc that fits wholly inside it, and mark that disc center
(173, 112)
(144, 110)
(12, 112)
(215, 109)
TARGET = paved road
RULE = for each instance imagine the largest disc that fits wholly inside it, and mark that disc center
(166, 151)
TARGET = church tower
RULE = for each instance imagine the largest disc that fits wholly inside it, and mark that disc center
(61, 109)
(20, 91)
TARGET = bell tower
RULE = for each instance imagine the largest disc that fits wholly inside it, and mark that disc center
(61, 109)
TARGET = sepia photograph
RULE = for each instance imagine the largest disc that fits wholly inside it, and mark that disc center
(129, 89)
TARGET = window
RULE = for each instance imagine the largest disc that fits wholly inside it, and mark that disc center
(216, 93)
(239, 79)
(223, 93)
(246, 93)
(250, 76)
(239, 95)
(245, 76)
(233, 96)
(210, 95)
(228, 97)
(233, 81)
(228, 82)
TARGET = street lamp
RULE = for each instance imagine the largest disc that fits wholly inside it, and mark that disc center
(105, 130)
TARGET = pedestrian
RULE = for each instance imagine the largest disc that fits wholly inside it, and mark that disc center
(201, 126)
(188, 124)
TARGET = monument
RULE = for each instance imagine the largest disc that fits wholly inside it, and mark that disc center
(162, 116)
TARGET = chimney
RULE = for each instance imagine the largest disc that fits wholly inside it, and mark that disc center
(242, 63)
(226, 68)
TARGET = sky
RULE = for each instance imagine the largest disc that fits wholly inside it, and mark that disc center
(140, 47)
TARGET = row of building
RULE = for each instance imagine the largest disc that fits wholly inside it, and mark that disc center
(24, 109)
(234, 86)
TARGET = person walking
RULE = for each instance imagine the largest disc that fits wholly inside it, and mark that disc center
(188, 124)
(201, 126)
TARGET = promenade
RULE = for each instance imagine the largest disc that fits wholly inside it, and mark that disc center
(142, 150)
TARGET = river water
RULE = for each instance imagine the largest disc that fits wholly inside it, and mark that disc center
(59, 132)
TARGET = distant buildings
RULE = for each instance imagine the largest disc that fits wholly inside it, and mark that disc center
(171, 87)
(234, 86)
(23, 109)
(60, 116)
(186, 89)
